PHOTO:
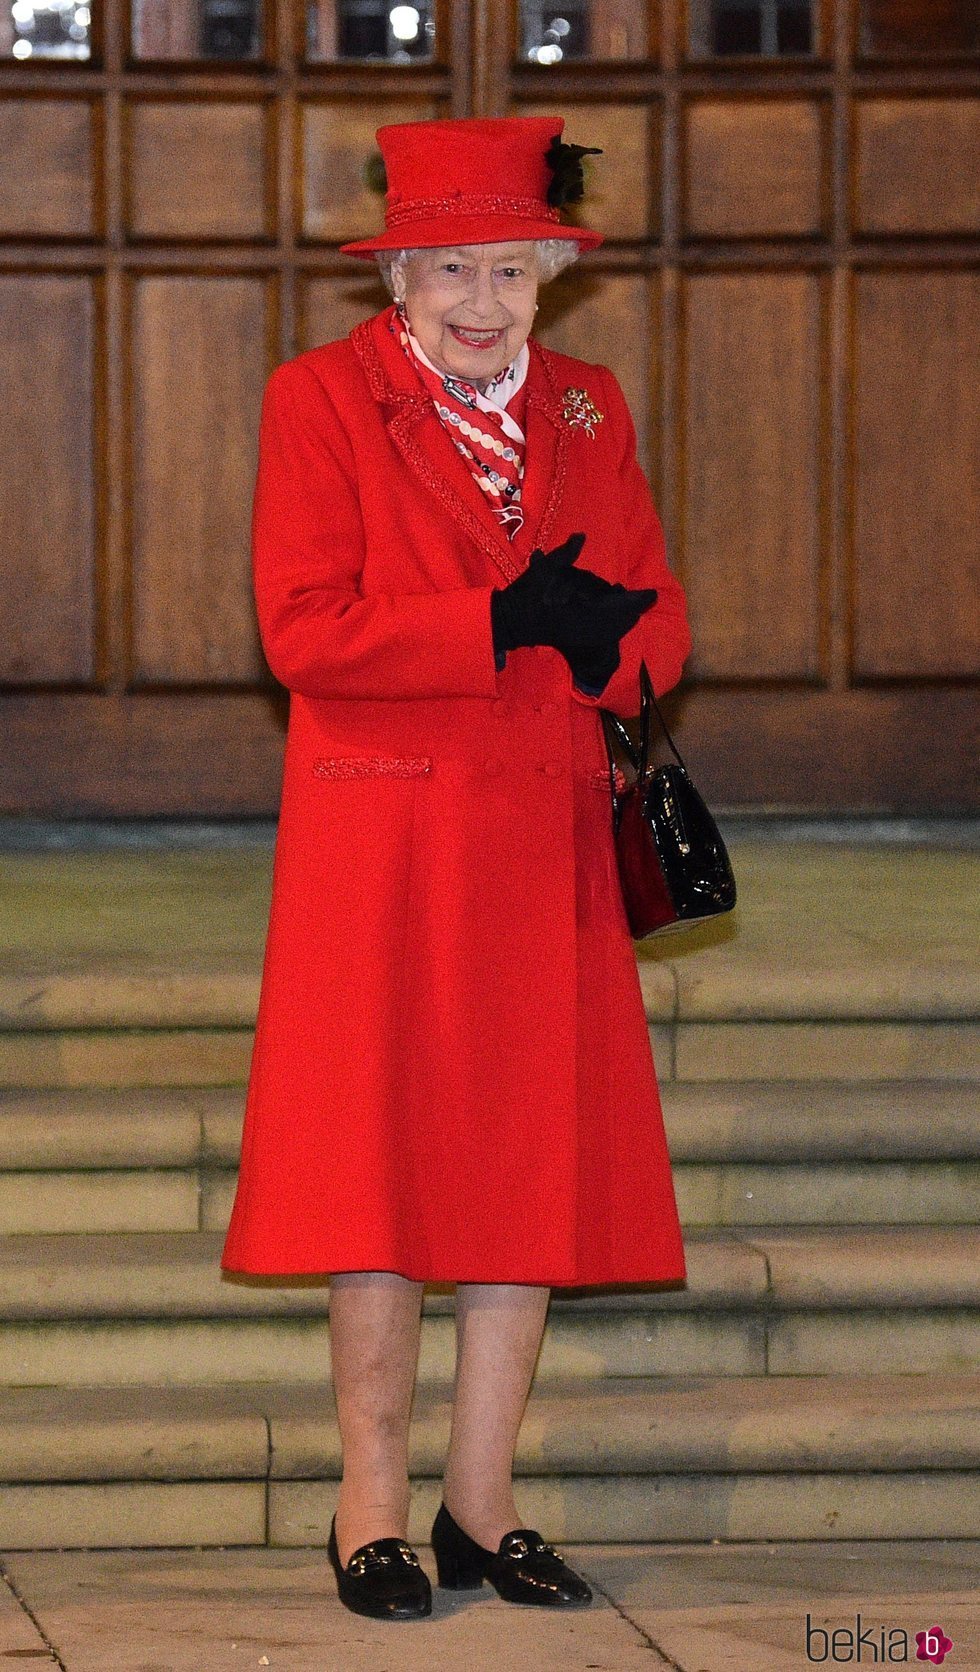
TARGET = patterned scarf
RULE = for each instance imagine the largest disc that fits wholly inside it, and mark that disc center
(485, 425)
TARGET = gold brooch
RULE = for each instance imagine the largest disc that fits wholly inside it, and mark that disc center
(579, 409)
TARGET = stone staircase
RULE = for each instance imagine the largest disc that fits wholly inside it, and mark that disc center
(816, 1378)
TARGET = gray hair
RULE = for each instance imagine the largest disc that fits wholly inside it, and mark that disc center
(554, 255)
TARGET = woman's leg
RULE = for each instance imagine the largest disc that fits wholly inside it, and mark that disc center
(498, 1336)
(375, 1318)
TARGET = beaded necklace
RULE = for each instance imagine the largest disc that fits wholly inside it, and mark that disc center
(484, 425)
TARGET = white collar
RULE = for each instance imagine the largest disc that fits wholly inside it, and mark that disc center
(504, 386)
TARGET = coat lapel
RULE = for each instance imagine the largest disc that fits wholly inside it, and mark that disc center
(422, 440)
(546, 457)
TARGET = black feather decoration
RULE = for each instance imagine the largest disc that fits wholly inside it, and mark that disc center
(375, 175)
(567, 184)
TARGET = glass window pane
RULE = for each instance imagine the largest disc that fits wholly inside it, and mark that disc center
(897, 26)
(575, 29)
(194, 29)
(370, 30)
(763, 28)
(31, 29)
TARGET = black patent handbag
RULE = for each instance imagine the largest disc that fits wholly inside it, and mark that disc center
(673, 864)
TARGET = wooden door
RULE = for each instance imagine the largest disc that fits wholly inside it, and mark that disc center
(787, 293)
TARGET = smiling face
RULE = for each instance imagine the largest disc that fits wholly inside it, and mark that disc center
(470, 307)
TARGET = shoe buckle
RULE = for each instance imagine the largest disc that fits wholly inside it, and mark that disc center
(380, 1558)
(520, 1547)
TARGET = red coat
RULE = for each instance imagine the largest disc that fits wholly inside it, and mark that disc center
(451, 1076)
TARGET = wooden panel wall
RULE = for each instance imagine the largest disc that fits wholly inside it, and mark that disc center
(199, 351)
(787, 293)
(916, 452)
(807, 280)
(51, 491)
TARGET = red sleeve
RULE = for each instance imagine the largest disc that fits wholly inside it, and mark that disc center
(661, 637)
(322, 635)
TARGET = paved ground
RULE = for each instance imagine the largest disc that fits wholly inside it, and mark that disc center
(693, 1608)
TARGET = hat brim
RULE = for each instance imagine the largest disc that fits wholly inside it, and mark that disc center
(450, 230)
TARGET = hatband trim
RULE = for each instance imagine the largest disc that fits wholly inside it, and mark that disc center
(423, 209)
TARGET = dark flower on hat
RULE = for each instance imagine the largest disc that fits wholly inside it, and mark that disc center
(567, 184)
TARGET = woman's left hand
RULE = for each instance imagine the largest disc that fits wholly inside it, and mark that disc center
(594, 657)
(592, 665)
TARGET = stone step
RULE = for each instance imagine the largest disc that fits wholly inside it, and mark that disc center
(753, 1153)
(823, 931)
(137, 1057)
(822, 1121)
(177, 1276)
(881, 1193)
(839, 962)
(728, 1121)
(621, 1460)
(697, 983)
(126, 1057)
(815, 1050)
(806, 1301)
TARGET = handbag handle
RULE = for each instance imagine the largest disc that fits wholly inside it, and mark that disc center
(647, 702)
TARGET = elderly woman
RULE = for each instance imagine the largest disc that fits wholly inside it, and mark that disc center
(457, 560)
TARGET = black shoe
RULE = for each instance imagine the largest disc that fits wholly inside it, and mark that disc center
(522, 1569)
(383, 1579)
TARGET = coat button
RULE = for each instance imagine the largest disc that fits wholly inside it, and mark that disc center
(552, 768)
(492, 764)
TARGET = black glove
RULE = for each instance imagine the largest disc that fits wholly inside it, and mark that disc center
(521, 613)
(609, 612)
(592, 669)
(552, 603)
(593, 665)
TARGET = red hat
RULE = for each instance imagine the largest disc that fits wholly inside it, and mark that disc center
(477, 180)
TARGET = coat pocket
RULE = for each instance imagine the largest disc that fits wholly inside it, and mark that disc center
(371, 766)
(600, 780)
